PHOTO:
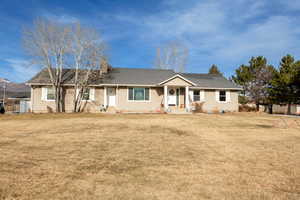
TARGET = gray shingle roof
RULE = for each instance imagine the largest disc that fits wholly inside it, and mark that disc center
(210, 81)
(139, 76)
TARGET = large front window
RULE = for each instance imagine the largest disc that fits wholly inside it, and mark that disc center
(138, 94)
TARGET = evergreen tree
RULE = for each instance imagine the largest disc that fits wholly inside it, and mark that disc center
(286, 83)
(214, 70)
(255, 79)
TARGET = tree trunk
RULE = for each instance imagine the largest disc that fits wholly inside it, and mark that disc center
(289, 109)
(266, 108)
(75, 99)
(57, 108)
(257, 107)
(62, 100)
(59, 104)
(270, 108)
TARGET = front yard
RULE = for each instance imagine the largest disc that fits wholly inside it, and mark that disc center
(94, 156)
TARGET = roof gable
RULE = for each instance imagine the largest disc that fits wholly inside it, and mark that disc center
(177, 80)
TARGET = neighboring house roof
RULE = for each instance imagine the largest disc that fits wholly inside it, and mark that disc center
(140, 76)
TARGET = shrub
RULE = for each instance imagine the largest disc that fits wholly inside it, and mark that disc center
(243, 100)
(246, 108)
(198, 107)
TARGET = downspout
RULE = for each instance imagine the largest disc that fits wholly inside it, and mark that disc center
(32, 98)
(117, 96)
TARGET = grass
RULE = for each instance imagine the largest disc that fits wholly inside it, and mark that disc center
(94, 156)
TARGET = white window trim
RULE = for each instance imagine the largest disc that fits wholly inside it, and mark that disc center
(142, 101)
(201, 95)
(45, 94)
(90, 99)
(226, 96)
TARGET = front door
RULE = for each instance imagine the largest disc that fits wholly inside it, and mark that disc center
(172, 96)
(111, 96)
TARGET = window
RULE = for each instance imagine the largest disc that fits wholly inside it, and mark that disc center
(138, 94)
(50, 93)
(86, 94)
(222, 96)
(196, 95)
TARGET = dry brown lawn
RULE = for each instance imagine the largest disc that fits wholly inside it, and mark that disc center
(94, 156)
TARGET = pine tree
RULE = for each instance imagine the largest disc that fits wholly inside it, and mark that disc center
(214, 70)
(285, 84)
(255, 79)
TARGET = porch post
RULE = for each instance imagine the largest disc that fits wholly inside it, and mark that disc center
(105, 97)
(187, 100)
(166, 98)
(31, 98)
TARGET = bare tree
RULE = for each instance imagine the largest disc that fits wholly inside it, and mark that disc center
(48, 42)
(87, 54)
(172, 55)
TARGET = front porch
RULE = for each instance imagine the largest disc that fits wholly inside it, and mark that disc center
(174, 88)
(176, 99)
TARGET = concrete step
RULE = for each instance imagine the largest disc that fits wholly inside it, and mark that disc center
(176, 110)
(111, 110)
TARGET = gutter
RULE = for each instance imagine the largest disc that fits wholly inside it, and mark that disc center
(137, 85)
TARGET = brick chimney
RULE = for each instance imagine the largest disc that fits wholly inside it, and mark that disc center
(104, 66)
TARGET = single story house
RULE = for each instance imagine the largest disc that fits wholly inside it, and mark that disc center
(140, 90)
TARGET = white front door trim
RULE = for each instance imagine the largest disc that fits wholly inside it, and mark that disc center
(166, 106)
(187, 102)
(111, 96)
(172, 96)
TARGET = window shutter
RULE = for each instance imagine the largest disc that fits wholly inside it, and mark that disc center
(227, 96)
(147, 94)
(217, 95)
(92, 94)
(44, 94)
(202, 95)
(130, 94)
(191, 95)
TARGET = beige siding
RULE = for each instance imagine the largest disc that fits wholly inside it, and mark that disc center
(153, 105)
(123, 104)
(177, 82)
(41, 106)
(38, 105)
(212, 105)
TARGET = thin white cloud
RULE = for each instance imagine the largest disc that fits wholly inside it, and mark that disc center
(216, 31)
(65, 19)
(22, 69)
(202, 18)
(222, 31)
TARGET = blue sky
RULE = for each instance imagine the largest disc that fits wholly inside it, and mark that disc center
(222, 32)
